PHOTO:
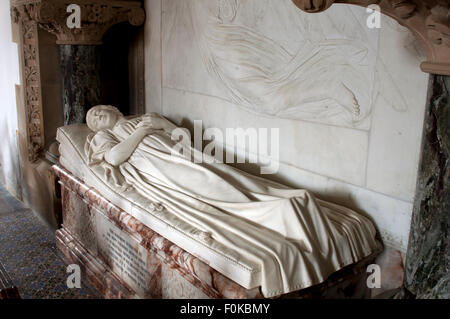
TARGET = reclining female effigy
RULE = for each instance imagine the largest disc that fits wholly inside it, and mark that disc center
(259, 235)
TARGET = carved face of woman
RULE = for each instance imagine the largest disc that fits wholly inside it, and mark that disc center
(102, 117)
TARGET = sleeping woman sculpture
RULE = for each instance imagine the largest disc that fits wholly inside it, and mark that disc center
(296, 240)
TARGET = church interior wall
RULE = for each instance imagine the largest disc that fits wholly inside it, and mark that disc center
(9, 78)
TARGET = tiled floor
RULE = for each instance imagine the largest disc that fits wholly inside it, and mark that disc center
(29, 254)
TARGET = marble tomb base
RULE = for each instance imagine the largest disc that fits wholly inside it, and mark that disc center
(123, 258)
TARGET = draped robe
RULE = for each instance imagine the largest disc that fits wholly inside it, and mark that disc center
(296, 239)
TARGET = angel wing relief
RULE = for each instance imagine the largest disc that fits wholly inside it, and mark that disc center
(324, 80)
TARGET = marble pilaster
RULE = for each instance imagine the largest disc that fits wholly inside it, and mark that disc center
(427, 262)
(81, 80)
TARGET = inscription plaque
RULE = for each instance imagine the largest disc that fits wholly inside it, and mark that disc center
(128, 259)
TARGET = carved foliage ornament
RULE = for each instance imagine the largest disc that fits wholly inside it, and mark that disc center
(429, 20)
(438, 25)
(24, 15)
(96, 18)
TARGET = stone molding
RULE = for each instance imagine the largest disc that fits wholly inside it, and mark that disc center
(97, 16)
(31, 78)
(429, 20)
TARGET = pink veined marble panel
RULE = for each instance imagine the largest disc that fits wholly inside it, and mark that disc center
(210, 281)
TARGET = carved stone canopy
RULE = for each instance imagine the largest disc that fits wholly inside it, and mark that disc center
(96, 16)
(429, 20)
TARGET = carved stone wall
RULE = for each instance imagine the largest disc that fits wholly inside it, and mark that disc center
(428, 19)
(24, 15)
(31, 19)
(96, 18)
(428, 259)
(137, 75)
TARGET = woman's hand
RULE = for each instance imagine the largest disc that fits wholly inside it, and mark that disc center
(155, 120)
(120, 153)
(145, 127)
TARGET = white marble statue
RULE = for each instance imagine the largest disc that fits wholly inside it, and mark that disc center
(296, 240)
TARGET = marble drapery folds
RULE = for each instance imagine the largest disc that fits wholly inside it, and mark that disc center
(295, 242)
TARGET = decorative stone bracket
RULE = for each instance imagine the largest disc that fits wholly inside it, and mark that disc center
(429, 20)
(96, 16)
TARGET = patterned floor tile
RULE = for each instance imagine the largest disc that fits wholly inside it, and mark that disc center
(29, 254)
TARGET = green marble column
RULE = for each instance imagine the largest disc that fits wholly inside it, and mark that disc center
(80, 69)
(427, 262)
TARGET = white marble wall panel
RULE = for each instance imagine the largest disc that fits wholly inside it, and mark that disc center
(392, 216)
(397, 122)
(9, 77)
(182, 63)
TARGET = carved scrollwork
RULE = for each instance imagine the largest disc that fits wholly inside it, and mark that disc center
(438, 25)
(404, 8)
(45, 12)
(429, 20)
(136, 16)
